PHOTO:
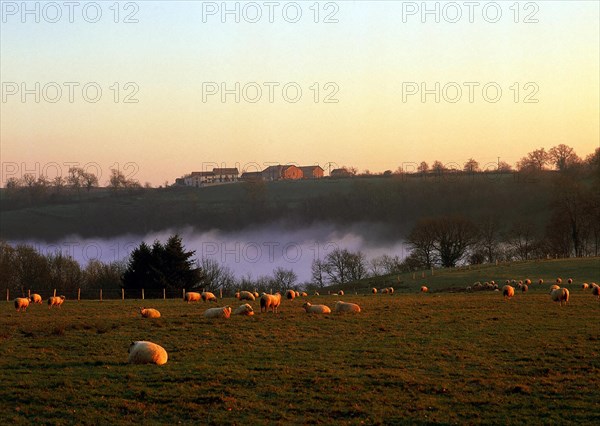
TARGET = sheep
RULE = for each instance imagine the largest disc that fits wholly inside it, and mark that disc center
(507, 282)
(346, 307)
(21, 304)
(244, 309)
(316, 309)
(570, 281)
(469, 288)
(560, 295)
(255, 294)
(191, 296)
(218, 312)
(55, 301)
(374, 290)
(541, 281)
(142, 352)
(424, 289)
(508, 291)
(559, 280)
(340, 293)
(245, 295)
(554, 287)
(35, 298)
(317, 293)
(527, 282)
(207, 296)
(525, 288)
(596, 291)
(390, 290)
(290, 294)
(585, 286)
(477, 286)
(149, 313)
(304, 294)
(384, 291)
(270, 301)
(297, 294)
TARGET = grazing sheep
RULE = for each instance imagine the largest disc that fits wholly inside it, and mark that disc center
(304, 294)
(21, 304)
(541, 281)
(596, 291)
(374, 290)
(270, 301)
(218, 312)
(340, 293)
(495, 286)
(507, 282)
(527, 282)
(149, 313)
(346, 307)
(290, 294)
(384, 291)
(316, 309)
(554, 287)
(245, 295)
(585, 286)
(55, 301)
(35, 298)
(191, 296)
(390, 290)
(570, 281)
(317, 293)
(477, 286)
(297, 294)
(525, 288)
(469, 288)
(244, 309)
(559, 280)
(424, 289)
(207, 296)
(508, 291)
(255, 294)
(143, 352)
(560, 295)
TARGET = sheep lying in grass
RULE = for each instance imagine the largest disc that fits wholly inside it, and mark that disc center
(316, 309)
(527, 282)
(207, 296)
(35, 298)
(317, 293)
(218, 312)
(560, 295)
(304, 294)
(244, 309)
(346, 307)
(585, 286)
(541, 281)
(508, 291)
(290, 294)
(191, 296)
(255, 294)
(21, 304)
(424, 289)
(570, 281)
(142, 352)
(245, 295)
(559, 280)
(469, 288)
(270, 301)
(374, 290)
(595, 290)
(525, 288)
(149, 313)
(384, 291)
(55, 301)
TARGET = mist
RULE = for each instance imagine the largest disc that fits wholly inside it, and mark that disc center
(252, 252)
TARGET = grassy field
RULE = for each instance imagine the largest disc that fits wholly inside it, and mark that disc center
(406, 358)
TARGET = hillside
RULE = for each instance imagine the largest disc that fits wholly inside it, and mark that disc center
(396, 202)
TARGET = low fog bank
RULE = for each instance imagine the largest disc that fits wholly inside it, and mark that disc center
(252, 252)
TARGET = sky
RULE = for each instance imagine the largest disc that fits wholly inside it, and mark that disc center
(150, 87)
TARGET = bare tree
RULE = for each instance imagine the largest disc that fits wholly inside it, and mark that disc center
(423, 167)
(489, 237)
(563, 157)
(471, 166)
(535, 160)
(284, 278)
(422, 241)
(522, 238)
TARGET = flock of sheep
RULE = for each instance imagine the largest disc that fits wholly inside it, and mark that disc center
(144, 352)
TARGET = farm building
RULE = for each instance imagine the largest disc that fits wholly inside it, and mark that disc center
(251, 176)
(280, 172)
(340, 173)
(312, 172)
(226, 175)
(199, 178)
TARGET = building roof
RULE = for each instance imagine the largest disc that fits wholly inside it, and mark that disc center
(226, 171)
(199, 174)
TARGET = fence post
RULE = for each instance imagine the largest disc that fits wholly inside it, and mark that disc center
(221, 293)
(183, 293)
(7, 295)
(78, 294)
(54, 293)
(101, 295)
(423, 274)
(142, 294)
(29, 293)
(164, 294)
(122, 294)
(431, 270)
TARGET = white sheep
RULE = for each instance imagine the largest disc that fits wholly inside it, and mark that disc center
(207, 296)
(218, 312)
(469, 288)
(21, 304)
(191, 296)
(570, 281)
(340, 293)
(527, 282)
(559, 280)
(585, 286)
(244, 309)
(245, 295)
(256, 295)
(541, 281)
(560, 295)
(374, 290)
(270, 301)
(304, 294)
(35, 298)
(596, 290)
(390, 290)
(554, 287)
(508, 291)
(525, 288)
(317, 293)
(346, 307)
(142, 352)
(424, 289)
(290, 294)
(297, 294)
(55, 301)
(316, 309)
(149, 313)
